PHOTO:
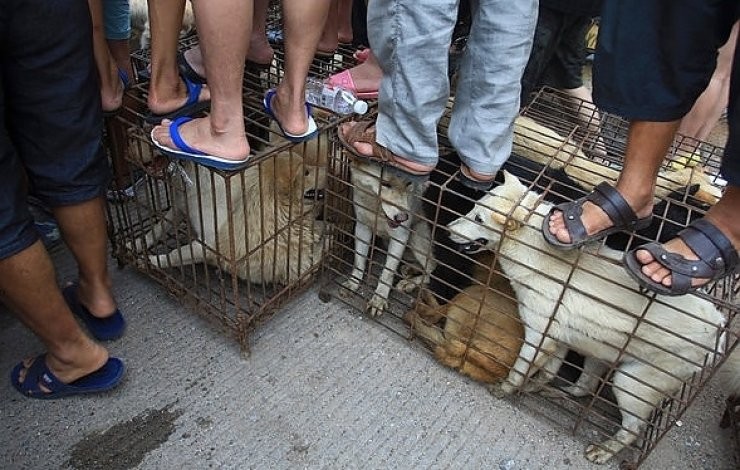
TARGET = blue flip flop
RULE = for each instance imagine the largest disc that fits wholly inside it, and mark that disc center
(191, 107)
(185, 152)
(103, 329)
(38, 373)
(310, 133)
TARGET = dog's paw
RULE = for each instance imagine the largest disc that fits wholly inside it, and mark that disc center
(351, 284)
(575, 391)
(501, 389)
(377, 305)
(408, 286)
(598, 453)
(408, 271)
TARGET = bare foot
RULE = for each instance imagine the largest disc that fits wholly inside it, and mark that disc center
(595, 219)
(364, 148)
(97, 298)
(260, 51)
(166, 100)
(367, 75)
(289, 111)
(84, 358)
(660, 274)
(230, 143)
(111, 91)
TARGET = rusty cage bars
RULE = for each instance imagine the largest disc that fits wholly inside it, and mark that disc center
(262, 245)
(466, 315)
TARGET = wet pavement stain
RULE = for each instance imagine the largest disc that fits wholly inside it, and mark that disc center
(124, 445)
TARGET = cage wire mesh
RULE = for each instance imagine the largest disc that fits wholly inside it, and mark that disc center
(477, 285)
(235, 245)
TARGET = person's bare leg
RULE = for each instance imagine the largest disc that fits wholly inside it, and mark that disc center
(303, 23)
(111, 87)
(23, 276)
(83, 227)
(329, 41)
(708, 108)
(224, 27)
(647, 145)
(121, 53)
(167, 91)
(344, 18)
(588, 116)
(260, 51)
(723, 215)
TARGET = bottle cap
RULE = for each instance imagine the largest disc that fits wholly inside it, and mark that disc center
(359, 107)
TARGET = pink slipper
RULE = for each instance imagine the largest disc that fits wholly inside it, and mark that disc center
(344, 79)
(361, 55)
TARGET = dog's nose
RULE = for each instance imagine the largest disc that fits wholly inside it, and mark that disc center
(472, 247)
(401, 218)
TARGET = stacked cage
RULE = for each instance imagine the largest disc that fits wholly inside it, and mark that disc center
(469, 275)
(235, 245)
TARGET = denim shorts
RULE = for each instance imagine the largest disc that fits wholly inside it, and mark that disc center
(50, 114)
(654, 59)
(117, 19)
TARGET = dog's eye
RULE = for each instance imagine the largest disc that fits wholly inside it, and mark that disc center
(478, 219)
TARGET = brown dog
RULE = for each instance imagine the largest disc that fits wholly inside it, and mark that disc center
(482, 333)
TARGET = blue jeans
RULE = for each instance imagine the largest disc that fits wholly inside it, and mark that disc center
(411, 40)
(50, 114)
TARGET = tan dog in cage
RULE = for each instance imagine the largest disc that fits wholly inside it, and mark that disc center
(587, 302)
(387, 205)
(482, 333)
(263, 228)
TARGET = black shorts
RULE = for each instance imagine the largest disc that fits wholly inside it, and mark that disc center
(50, 113)
(558, 52)
(654, 58)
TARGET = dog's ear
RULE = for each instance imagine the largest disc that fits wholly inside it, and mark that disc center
(509, 223)
(511, 180)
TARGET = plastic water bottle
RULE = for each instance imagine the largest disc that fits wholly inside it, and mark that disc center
(336, 99)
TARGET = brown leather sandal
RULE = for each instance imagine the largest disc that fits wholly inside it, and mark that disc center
(361, 132)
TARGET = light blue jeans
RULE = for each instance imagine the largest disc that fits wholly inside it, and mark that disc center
(411, 40)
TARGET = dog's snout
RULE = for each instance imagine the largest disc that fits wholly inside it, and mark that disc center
(473, 246)
(401, 218)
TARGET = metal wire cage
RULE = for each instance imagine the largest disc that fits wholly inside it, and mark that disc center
(236, 245)
(470, 276)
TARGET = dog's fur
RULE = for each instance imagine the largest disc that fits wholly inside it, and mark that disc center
(596, 306)
(269, 217)
(387, 205)
(482, 333)
(140, 21)
(545, 146)
(729, 377)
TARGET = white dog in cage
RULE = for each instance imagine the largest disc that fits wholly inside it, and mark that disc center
(388, 206)
(584, 300)
(263, 228)
(140, 20)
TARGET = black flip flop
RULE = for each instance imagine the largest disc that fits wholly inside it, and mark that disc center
(717, 259)
(610, 201)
